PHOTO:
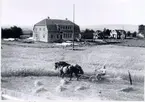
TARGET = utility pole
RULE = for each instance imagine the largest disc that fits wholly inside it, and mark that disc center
(73, 24)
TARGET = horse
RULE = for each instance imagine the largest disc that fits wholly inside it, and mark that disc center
(77, 70)
(68, 69)
(61, 64)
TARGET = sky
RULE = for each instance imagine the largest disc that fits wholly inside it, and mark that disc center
(87, 12)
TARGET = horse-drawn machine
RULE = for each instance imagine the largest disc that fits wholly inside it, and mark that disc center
(68, 69)
(95, 77)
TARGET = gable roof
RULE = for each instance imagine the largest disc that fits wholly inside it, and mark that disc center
(54, 22)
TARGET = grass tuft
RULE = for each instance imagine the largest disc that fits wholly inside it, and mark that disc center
(25, 73)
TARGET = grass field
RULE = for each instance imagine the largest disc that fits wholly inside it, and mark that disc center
(27, 61)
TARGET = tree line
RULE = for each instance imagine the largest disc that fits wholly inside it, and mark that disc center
(88, 33)
(12, 32)
(16, 32)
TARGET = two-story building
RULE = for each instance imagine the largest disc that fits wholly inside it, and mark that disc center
(141, 29)
(52, 30)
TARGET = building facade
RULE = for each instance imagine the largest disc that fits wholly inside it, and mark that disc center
(141, 29)
(53, 30)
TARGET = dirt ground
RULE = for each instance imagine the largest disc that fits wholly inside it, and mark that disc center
(118, 60)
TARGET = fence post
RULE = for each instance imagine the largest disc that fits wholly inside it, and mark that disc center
(130, 79)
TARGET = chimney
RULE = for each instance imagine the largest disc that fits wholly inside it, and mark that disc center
(48, 17)
(66, 19)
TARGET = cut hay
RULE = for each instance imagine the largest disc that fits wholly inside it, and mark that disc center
(118, 78)
(64, 82)
(128, 89)
(40, 89)
(60, 88)
(38, 83)
(82, 87)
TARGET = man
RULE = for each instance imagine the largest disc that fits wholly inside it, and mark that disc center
(102, 72)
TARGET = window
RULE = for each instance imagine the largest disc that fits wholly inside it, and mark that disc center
(67, 35)
(36, 35)
(70, 35)
(64, 35)
(43, 29)
(35, 29)
(57, 36)
(39, 28)
(51, 36)
(43, 35)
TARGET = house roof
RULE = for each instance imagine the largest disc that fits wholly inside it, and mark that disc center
(54, 22)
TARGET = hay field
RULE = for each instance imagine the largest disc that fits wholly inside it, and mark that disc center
(118, 59)
(27, 61)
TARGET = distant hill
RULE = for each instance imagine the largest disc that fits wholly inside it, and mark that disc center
(126, 27)
(131, 28)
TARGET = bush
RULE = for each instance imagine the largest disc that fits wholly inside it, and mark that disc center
(87, 34)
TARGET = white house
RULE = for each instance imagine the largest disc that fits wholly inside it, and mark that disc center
(113, 34)
(117, 34)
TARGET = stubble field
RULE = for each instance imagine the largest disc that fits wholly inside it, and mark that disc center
(39, 62)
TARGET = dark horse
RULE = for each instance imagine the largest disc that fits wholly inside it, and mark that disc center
(68, 69)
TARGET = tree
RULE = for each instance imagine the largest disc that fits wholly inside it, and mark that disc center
(101, 35)
(16, 32)
(104, 34)
(87, 34)
(124, 32)
(107, 32)
(13, 32)
(134, 34)
(6, 33)
(128, 33)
